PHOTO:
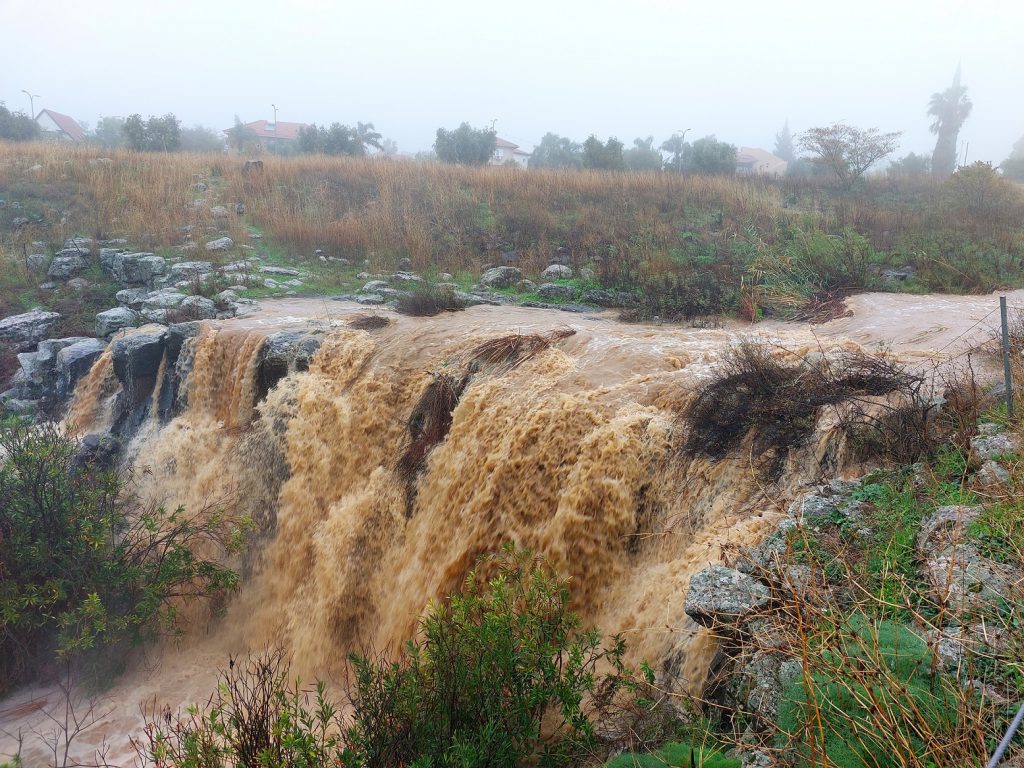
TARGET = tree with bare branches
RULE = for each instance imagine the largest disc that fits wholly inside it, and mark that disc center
(848, 151)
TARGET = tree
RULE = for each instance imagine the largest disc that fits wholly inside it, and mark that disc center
(389, 147)
(466, 145)
(157, 134)
(603, 156)
(950, 108)
(912, 166)
(240, 136)
(17, 126)
(784, 144)
(109, 133)
(678, 147)
(979, 189)
(198, 138)
(556, 151)
(1013, 166)
(710, 156)
(366, 136)
(642, 156)
(848, 151)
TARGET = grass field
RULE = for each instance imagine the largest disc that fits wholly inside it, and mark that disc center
(683, 246)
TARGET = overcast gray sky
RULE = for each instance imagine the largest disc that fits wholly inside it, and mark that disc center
(575, 67)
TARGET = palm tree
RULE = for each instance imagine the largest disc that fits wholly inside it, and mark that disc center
(950, 108)
(366, 136)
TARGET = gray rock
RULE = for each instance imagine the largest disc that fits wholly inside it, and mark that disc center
(374, 286)
(602, 298)
(404, 278)
(157, 304)
(557, 272)
(990, 446)
(136, 267)
(37, 262)
(721, 595)
(219, 212)
(945, 528)
(287, 271)
(369, 299)
(198, 308)
(66, 267)
(113, 320)
(270, 283)
(404, 265)
(220, 244)
(132, 297)
(137, 356)
(993, 473)
(526, 286)
(225, 298)
(500, 277)
(554, 292)
(74, 362)
(189, 270)
(81, 245)
(23, 332)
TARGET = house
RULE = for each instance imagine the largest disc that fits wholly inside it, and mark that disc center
(750, 160)
(60, 127)
(268, 134)
(506, 152)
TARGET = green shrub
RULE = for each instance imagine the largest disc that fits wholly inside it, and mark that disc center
(675, 755)
(871, 698)
(82, 564)
(502, 676)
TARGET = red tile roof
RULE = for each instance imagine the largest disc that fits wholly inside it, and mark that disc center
(67, 124)
(500, 143)
(265, 129)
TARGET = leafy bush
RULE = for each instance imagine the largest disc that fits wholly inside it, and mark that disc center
(675, 755)
(256, 717)
(503, 676)
(82, 564)
(871, 699)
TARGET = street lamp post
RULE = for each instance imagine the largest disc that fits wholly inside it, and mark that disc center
(274, 107)
(31, 102)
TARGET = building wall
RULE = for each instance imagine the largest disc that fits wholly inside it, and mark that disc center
(50, 129)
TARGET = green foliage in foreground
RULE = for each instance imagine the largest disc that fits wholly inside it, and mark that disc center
(501, 676)
(675, 755)
(495, 664)
(82, 565)
(863, 691)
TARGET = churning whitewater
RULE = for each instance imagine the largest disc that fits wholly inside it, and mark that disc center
(573, 452)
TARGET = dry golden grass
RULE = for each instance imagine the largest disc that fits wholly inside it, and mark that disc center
(629, 227)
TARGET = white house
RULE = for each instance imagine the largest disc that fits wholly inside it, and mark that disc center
(506, 152)
(54, 125)
(750, 161)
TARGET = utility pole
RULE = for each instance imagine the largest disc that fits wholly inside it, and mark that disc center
(274, 107)
(31, 102)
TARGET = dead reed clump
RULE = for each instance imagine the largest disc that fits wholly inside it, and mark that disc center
(368, 322)
(757, 392)
(511, 351)
(428, 425)
(429, 301)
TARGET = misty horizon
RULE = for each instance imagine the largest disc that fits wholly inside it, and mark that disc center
(736, 70)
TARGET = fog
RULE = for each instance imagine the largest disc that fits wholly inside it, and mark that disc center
(627, 69)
